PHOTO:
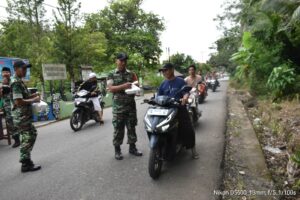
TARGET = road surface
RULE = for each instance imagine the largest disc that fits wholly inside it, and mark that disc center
(81, 165)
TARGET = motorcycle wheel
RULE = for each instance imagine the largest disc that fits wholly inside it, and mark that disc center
(76, 121)
(214, 88)
(155, 163)
(195, 116)
(201, 99)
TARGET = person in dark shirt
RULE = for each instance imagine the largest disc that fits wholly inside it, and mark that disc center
(91, 85)
(170, 88)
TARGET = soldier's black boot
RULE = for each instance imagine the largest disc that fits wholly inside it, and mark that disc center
(29, 166)
(17, 141)
(134, 151)
(118, 153)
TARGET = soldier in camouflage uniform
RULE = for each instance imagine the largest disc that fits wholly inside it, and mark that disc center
(124, 107)
(22, 112)
(7, 101)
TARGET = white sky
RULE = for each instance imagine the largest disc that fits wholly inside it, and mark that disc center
(190, 28)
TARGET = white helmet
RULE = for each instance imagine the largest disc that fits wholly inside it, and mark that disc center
(92, 75)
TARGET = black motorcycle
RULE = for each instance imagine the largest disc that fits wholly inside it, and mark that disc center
(84, 110)
(213, 84)
(161, 124)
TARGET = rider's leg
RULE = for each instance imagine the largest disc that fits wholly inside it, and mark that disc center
(98, 108)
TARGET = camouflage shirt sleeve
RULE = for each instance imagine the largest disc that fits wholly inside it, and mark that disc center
(110, 80)
(17, 92)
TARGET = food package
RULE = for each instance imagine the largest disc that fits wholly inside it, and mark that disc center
(133, 90)
(40, 107)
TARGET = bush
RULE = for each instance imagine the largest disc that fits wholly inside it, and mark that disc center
(282, 80)
(154, 80)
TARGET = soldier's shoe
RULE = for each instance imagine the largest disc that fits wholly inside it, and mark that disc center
(118, 153)
(17, 142)
(29, 166)
(134, 151)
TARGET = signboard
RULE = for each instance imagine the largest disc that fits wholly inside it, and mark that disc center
(9, 62)
(85, 71)
(54, 72)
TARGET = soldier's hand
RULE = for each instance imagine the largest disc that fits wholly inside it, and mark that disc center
(37, 99)
(126, 85)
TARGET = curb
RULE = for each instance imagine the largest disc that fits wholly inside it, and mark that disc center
(245, 167)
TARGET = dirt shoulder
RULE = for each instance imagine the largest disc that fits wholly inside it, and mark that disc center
(246, 175)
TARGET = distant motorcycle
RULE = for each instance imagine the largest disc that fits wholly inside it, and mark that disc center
(213, 84)
(84, 110)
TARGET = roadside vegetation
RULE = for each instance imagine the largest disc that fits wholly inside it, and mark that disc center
(260, 47)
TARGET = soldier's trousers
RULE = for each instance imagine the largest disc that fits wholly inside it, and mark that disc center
(12, 130)
(28, 138)
(120, 120)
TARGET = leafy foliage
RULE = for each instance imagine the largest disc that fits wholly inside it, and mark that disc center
(267, 60)
(281, 80)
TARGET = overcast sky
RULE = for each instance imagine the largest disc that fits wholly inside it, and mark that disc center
(190, 28)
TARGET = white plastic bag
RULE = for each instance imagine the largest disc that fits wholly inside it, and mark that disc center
(133, 90)
(40, 107)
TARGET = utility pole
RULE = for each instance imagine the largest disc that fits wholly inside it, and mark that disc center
(202, 56)
(168, 52)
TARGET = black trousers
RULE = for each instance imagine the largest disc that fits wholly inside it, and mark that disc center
(186, 129)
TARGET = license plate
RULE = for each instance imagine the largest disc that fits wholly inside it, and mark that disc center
(158, 112)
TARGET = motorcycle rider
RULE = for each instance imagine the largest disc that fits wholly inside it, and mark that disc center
(170, 87)
(193, 79)
(215, 76)
(91, 85)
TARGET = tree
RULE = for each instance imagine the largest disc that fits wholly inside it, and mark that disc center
(129, 29)
(181, 62)
(65, 33)
(27, 30)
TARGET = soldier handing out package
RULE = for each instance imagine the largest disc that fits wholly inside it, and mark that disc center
(22, 112)
(124, 107)
(7, 105)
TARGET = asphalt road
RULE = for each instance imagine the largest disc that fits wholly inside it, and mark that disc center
(81, 166)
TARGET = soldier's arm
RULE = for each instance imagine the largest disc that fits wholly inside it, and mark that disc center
(18, 98)
(116, 88)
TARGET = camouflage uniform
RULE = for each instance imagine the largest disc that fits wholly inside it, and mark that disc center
(124, 108)
(7, 104)
(23, 119)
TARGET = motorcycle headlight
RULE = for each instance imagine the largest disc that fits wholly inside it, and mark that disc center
(190, 100)
(165, 121)
(164, 128)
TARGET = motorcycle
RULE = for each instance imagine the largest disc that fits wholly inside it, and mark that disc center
(202, 92)
(161, 124)
(192, 106)
(212, 84)
(84, 110)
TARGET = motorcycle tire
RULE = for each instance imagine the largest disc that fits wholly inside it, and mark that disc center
(195, 116)
(75, 119)
(155, 163)
(201, 99)
(214, 88)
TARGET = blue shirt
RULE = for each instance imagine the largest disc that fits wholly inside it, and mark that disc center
(170, 88)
